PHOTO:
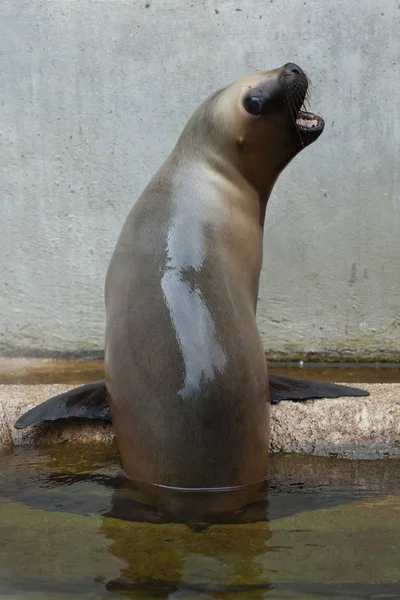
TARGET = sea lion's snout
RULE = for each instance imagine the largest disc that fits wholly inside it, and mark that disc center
(309, 126)
(294, 75)
(295, 83)
(284, 91)
(285, 86)
(292, 69)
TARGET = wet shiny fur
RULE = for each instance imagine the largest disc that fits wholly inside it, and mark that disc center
(186, 376)
(185, 366)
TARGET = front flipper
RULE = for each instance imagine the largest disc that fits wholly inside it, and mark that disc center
(88, 401)
(291, 388)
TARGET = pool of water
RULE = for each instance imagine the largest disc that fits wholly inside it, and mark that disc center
(71, 528)
(42, 371)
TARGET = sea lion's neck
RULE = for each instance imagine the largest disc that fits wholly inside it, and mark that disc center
(222, 211)
(225, 174)
(263, 209)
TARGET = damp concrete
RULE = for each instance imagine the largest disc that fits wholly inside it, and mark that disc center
(367, 427)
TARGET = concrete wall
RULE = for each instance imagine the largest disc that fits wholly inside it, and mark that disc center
(94, 94)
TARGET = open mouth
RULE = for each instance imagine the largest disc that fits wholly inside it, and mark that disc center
(308, 122)
(308, 125)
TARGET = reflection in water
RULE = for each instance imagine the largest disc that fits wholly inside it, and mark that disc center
(72, 526)
(166, 560)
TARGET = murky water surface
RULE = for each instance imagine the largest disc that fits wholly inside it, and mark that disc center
(36, 371)
(70, 528)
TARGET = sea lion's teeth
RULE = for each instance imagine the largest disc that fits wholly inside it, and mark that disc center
(308, 122)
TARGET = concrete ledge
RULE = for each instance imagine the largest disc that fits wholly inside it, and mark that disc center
(367, 427)
(349, 427)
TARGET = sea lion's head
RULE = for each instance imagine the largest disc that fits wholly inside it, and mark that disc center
(257, 123)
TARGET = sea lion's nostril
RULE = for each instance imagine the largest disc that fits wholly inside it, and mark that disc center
(292, 68)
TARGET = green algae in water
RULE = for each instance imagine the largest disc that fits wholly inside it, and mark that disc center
(333, 532)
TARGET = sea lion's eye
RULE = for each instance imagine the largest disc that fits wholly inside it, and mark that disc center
(253, 105)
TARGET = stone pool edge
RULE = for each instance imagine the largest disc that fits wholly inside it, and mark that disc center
(350, 427)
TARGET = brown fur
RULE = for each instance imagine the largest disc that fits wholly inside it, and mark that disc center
(185, 366)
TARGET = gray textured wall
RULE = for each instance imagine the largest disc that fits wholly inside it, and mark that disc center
(93, 97)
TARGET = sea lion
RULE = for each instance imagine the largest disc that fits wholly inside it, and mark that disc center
(186, 375)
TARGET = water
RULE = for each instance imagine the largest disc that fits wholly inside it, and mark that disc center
(71, 528)
(37, 371)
